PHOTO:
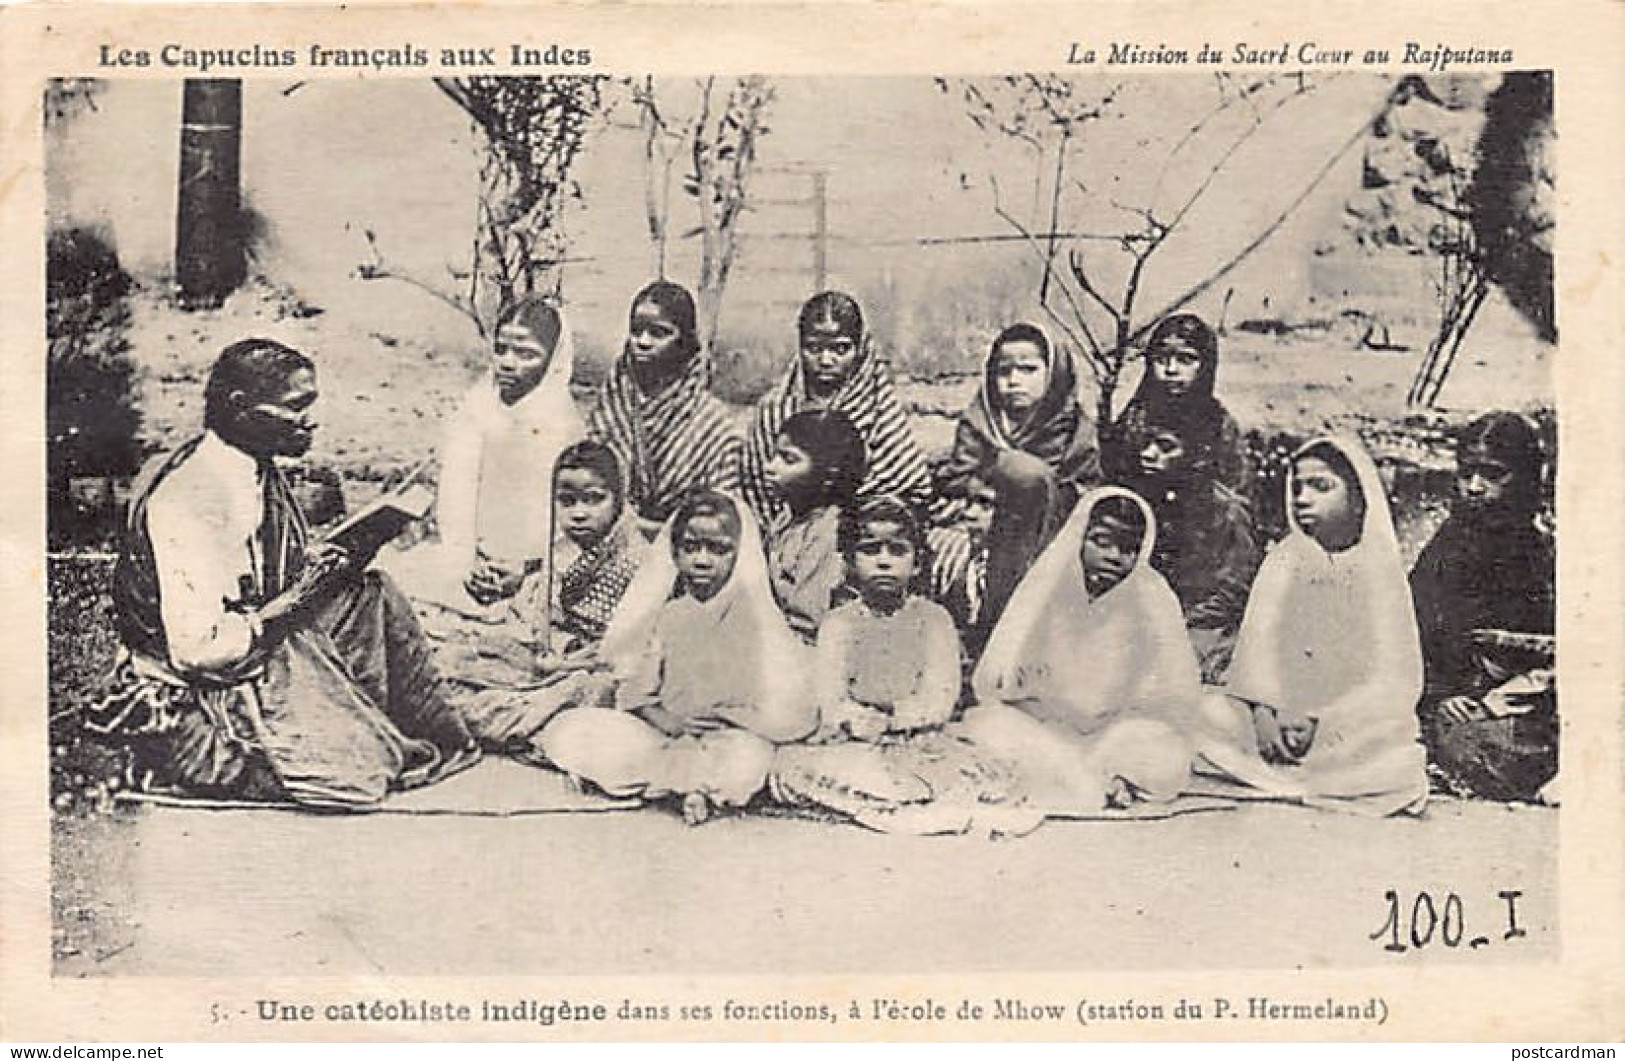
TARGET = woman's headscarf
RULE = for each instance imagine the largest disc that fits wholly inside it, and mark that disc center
(1196, 414)
(1333, 636)
(1511, 440)
(1051, 427)
(897, 467)
(763, 656)
(677, 440)
(1122, 654)
(1489, 567)
(494, 491)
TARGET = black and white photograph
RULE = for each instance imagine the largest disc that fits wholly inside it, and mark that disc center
(1100, 519)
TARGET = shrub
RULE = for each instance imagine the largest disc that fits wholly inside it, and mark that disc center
(90, 415)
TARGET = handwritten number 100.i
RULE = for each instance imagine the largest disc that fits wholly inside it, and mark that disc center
(1430, 920)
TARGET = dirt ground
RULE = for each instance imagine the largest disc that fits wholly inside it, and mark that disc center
(184, 892)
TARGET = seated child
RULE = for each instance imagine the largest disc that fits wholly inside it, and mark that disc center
(709, 676)
(493, 513)
(567, 608)
(815, 468)
(1089, 686)
(1206, 547)
(1485, 609)
(886, 677)
(1027, 434)
(1327, 669)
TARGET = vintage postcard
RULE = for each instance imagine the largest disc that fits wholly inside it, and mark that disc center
(811, 521)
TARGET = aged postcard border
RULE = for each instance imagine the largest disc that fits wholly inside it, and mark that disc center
(1578, 997)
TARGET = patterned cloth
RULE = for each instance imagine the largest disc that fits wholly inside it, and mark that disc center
(591, 583)
(897, 466)
(670, 443)
(958, 574)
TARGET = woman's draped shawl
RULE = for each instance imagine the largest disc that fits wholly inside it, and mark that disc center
(1085, 663)
(1056, 431)
(496, 461)
(746, 652)
(669, 443)
(897, 466)
(1333, 636)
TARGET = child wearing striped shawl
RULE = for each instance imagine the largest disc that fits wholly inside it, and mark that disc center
(656, 410)
(838, 369)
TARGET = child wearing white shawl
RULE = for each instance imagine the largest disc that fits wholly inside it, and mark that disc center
(710, 676)
(1327, 671)
(494, 506)
(1089, 682)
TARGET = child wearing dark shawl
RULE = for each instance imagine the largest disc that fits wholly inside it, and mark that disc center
(1206, 549)
(1485, 608)
(837, 368)
(1181, 369)
(656, 410)
(1028, 437)
(814, 470)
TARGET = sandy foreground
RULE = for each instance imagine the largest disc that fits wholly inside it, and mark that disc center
(162, 891)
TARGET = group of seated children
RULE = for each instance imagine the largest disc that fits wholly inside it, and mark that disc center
(1048, 620)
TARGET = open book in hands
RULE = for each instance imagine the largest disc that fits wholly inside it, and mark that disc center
(374, 525)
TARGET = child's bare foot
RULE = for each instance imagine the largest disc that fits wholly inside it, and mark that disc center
(696, 808)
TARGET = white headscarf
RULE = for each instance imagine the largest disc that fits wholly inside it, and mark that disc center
(755, 646)
(1333, 633)
(496, 463)
(1091, 661)
(1333, 636)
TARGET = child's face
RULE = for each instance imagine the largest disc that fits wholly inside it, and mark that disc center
(1482, 481)
(980, 501)
(829, 354)
(653, 340)
(585, 505)
(883, 561)
(789, 470)
(1323, 504)
(1109, 550)
(1161, 454)
(1175, 364)
(518, 362)
(1020, 376)
(706, 553)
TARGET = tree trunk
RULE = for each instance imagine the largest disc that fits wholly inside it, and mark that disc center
(210, 258)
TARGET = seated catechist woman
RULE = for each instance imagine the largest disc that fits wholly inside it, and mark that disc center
(494, 506)
(255, 665)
